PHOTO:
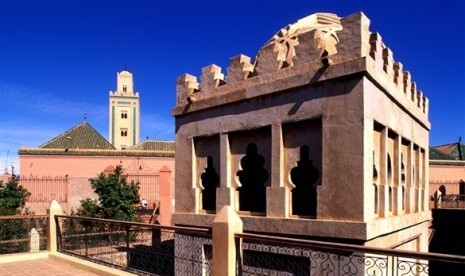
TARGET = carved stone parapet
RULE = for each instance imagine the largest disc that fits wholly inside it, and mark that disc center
(307, 49)
(398, 73)
(211, 78)
(407, 81)
(267, 60)
(420, 99)
(376, 46)
(186, 85)
(388, 61)
(239, 69)
(413, 91)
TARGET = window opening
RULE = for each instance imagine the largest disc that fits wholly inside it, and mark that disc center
(304, 176)
(210, 181)
(252, 193)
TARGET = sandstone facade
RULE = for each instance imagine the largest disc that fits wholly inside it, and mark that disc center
(322, 135)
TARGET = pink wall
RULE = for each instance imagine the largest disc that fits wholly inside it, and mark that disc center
(79, 169)
(89, 166)
(448, 175)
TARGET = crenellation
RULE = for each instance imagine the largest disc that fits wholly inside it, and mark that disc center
(398, 73)
(309, 44)
(211, 78)
(420, 99)
(425, 105)
(407, 80)
(388, 59)
(239, 69)
(413, 90)
(268, 60)
(186, 85)
(376, 49)
(354, 37)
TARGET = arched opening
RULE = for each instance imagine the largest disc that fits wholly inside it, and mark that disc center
(210, 181)
(375, 200)
(253, 176)
(389, 169)
(304, 176)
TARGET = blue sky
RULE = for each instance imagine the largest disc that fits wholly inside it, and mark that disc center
(59, 59)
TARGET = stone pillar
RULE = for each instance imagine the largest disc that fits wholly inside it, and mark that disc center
(383, 176)
(225, 194)
(277, 194)
(52, 235)
(226, 224)
(397, 170)
(166, 206)
(34, 241)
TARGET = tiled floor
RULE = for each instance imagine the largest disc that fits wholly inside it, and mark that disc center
(42, 267)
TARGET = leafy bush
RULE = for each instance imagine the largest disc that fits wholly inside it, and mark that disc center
(117, 199)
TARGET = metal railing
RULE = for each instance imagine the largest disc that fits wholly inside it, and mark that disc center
(454, 201)
(136, 247)
(147, 249)
(15, 233)
(265, 255)
(46, 188)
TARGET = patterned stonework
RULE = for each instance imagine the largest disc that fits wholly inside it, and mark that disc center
(325, 26)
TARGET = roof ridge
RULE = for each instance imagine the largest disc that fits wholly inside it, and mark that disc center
(62, 134)
(82, 135)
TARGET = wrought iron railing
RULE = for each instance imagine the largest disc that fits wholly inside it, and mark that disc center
(136, 247)
(15, 233)
(46, 188)
(265, 255)
(454, 201)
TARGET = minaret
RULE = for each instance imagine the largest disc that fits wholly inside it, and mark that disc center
(124, 112)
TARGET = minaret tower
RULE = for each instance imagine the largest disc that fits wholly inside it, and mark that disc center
(124, 127)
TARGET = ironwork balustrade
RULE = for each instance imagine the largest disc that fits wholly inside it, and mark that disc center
(136, 247)
(15, 233)
(266, 255)
(453, 201)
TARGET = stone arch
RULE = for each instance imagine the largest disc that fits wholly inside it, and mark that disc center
(442, 189)
(304, 177)
(252, 176)
(210, 181)
(375, 171)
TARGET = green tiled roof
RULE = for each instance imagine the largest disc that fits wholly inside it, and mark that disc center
(84, 140)
(435, 154)
(455, 151)
(82, 136)
(154, 146)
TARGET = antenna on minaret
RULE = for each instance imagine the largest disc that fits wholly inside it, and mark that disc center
(125, 67)
(85, 116)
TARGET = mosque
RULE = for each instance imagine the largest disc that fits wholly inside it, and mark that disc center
(61, 167)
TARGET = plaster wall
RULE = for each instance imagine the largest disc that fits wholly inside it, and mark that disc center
(444, 173)
(89, 166)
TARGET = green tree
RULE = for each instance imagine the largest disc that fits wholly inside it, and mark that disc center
(117, 199)
(13, 197)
